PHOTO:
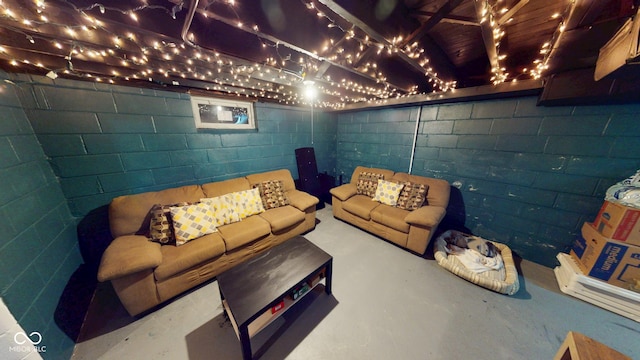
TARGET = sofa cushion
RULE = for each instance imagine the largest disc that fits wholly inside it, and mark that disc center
(129, 214)
(223, 187)
(391, 216)
(343, 192)
(412, 196)
(243, 232)
(247, 202)
(223, 209)
(283, 217)
(360, 205)
(160, 223)
(282, 174)
(387, 192)
(272, 194)
(191, 222)
(368, 183)
(176, 259)
(301, 200)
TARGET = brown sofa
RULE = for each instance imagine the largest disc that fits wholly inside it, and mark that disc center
(411, 230)
(145, 273)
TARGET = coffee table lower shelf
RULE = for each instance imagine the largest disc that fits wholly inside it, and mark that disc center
(268, 316)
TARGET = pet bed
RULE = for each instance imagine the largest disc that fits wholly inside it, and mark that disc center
(504, 281)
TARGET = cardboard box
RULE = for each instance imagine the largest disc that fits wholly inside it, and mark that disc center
(612, 261)
(619, 222)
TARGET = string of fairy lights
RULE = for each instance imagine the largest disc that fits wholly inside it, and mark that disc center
(142, 55)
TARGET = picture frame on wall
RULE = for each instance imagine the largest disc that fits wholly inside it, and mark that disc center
(228, 114)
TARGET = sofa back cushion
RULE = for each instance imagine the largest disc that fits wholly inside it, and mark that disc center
(129, 214)
(282, 174)
(224, 187)
(438, 190)
(386, 174)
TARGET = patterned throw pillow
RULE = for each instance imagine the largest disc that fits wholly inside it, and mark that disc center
(387, 192)
(191, 222)
(247, 202)
(160, 228)
(412, 196)
(367, 183)
(223, 209)
(272, 194)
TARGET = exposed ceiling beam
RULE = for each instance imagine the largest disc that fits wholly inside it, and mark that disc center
(372, 33)
(514, 9)
(444, 10)
(452, 19)
(293, 47)
(487, 36)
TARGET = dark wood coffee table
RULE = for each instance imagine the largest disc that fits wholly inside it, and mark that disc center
(259, 290)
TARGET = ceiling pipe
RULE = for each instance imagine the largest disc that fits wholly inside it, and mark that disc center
(193, 5)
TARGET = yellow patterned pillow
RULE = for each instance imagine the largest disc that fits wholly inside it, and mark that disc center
(247, 202)
(190, 222)
(223, 209)
(388, 192)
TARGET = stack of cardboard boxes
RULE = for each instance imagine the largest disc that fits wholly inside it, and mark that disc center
(609, 248)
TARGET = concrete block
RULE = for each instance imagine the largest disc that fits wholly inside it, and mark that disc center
(65, 99)
(574, 125)
(222, 155)
(8, 156)
(540, 162)
(63, 122)
(179, 107)
(125, 123)
(51, 196)
(126, 181)
(203, 141)
(493, 109)
(579, 203)
(25, 178)
(159, 142)
(530, 195)
(70, 166)
(626, 148)
(565, 183)
(511, 176)
(455, 111)
(62, 145)
(145, 160)
(477, 141)
(521, 143)
(210, 171)
(517, 126)
(623, 125)
(80, 186)
(437, 127)
(140, 104)
(188, 157)
(174, 124)
(429, 112)
(174, 175)
(442, 141)
(112, 143)
(601, 167)
(472, 126)
(527, 106)
(579, 145)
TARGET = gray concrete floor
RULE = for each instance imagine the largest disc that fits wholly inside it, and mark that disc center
(386, 304)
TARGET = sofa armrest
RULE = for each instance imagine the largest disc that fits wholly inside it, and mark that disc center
(301, 200)
(128, 254)
(426, 216)
(344, 192)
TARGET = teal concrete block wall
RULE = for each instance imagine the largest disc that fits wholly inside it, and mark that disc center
(38, 247)
(523, 175)
(104, 140)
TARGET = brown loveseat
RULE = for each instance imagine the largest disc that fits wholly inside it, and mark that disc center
(145, 273)
(411, 229)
